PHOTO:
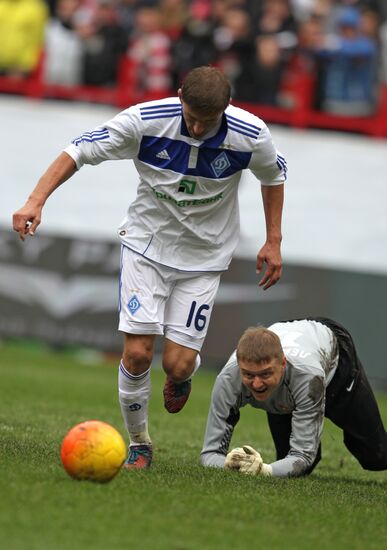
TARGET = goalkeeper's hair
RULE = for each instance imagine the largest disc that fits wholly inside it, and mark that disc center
(206, 89)
(259, 345)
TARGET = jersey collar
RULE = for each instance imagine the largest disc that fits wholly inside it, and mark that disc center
(212, 142)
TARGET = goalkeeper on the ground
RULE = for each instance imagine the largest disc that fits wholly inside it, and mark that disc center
(298, 372)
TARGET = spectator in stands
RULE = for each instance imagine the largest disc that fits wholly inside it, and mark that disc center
(52, 6)
(218, 8)
(277, 19)
(379, 7)
(150, 54)
(104, 42)
(302, 9)
(22, 25)
(311, 36)
(233, 41)
(264, 46)
(195, 47)
(63, 46)
(370, 23)
(173, 16)
(311, 40)
(126, 10)
(350, 67)
(260, 78)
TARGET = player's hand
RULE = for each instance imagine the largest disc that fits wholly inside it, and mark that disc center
(253, 464)
(234, 458)
(26, 220)
(270, 254)
(248, 461)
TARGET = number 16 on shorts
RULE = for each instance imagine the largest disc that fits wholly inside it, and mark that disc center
(197, 316)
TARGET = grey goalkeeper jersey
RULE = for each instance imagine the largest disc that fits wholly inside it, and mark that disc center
(312, 355)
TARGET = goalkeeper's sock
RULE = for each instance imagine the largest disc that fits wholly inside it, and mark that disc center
(134, 393)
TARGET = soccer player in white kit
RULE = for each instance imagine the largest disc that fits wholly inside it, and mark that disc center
(181, 230)
(298, 371)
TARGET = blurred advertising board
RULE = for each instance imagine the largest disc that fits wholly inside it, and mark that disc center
(64, 291)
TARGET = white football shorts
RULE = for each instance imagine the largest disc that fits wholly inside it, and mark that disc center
(156, 299)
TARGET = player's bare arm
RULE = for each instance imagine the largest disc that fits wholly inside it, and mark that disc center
(27, 219)
(270, 253)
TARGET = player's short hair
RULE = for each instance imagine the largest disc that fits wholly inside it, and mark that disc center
(206, 89)
(259, 345)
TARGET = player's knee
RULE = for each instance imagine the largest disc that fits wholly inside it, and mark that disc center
(178, 369)
(137, 361)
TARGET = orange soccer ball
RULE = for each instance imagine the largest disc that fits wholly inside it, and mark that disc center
(93, 450)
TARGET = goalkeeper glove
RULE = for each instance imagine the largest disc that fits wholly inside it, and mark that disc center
(234, 458)
(248, 461)
(253, 464)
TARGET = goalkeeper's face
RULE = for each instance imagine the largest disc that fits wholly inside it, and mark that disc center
(262, 378)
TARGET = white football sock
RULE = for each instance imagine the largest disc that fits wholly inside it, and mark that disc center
(134, 393)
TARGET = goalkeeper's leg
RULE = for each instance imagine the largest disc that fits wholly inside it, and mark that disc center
(351, 405)
(356, 412)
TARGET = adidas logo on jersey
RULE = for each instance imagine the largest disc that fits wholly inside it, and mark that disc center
(163, 155)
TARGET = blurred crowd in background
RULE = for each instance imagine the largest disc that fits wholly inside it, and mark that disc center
(257, 43)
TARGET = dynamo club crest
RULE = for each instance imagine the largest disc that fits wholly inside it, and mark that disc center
(220, 164)
(134, 304)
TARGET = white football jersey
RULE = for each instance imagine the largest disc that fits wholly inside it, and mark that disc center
(186, 212)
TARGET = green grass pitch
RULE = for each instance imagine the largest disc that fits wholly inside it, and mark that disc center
(177, 504)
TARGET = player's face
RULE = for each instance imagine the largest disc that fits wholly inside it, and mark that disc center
(262, 378)
(199, 124)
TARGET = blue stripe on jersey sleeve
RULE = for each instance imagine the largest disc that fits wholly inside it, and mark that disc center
(95, 132)
(244, 132)
(169, 154)
(282, 160)
(162, 107)
(96, 135)
(156, 116)
(282, 164)
(160, 111)
(241, 123)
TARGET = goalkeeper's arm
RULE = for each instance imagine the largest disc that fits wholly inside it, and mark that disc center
(222, 416)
